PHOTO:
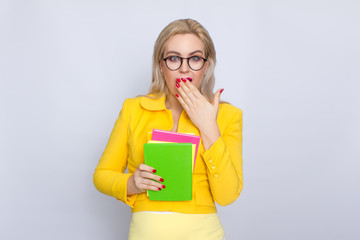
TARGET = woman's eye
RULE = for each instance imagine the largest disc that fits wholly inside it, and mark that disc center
(195, 58)
(174, 58)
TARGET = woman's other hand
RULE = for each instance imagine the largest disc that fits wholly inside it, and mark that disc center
(201, 112)
(144, 179)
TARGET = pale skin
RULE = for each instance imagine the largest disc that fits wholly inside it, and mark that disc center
(184, 95)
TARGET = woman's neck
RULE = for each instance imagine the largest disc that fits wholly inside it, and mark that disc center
(173, 104)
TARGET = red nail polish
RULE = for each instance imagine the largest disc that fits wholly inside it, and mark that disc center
(154, 171)
(177, 85)
(163, 186)
(177, 95)
(159, 189)
(161, 180)
(178, 80)
(184, 80)
(221, 90)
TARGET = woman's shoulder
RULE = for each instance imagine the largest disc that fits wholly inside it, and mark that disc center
(229, 114)
(227, 108)
(149, 101)
(132, 102)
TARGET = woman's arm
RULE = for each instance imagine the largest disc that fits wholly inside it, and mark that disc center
(224, 160)
(109, 177)
(223, 151)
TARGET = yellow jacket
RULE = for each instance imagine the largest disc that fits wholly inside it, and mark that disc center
(217, 174)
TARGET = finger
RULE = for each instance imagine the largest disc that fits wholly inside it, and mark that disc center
(147, 187)
(193, 89)
(147, 168)
(185, 97)
(216, 100)
(182, 102)
(150, 184)
(186, 89)
(151, 176)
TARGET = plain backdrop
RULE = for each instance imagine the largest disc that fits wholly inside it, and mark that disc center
(291, 66)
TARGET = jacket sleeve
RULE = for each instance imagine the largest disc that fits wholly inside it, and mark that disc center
(109, 177)
(224, 162)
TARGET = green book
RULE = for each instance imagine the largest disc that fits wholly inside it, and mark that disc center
(173, 162)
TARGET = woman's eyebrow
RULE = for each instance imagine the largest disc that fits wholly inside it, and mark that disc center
(174, 52)
(196, 52)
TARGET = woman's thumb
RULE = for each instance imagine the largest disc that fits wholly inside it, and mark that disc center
(216, 100)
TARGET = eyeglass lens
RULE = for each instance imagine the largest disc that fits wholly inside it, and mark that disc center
(195, 62)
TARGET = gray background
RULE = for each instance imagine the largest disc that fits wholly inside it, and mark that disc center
(291, 66)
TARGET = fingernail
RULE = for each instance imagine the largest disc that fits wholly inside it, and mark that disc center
(190, 79)
(161, 179)
(177, 85)
(159, 189)
(163, 186)
(221, 90)
(184, 80)
(177, 95)
(178, 80)
(154, 171)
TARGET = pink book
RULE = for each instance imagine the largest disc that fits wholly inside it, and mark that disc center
(166, 136)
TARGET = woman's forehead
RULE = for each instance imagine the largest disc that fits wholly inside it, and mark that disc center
(184, 44)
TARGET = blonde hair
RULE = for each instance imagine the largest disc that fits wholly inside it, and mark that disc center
(183, 26)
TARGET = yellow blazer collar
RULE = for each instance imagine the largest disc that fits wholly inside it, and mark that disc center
(153, 103)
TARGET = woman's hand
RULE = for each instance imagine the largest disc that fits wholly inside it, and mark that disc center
(143, 179)
(202, 113)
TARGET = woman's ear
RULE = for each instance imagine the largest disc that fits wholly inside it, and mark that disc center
(207, 63)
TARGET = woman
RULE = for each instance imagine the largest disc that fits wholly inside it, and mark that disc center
(181, 99)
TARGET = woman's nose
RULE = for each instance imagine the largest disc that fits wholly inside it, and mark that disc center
(184, 67)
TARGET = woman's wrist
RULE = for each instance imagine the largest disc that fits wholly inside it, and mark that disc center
(209, 135)
(131, 188)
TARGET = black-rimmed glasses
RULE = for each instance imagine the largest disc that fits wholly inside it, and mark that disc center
(195, 62)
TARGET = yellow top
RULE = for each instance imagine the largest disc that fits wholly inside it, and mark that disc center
(218, 171)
